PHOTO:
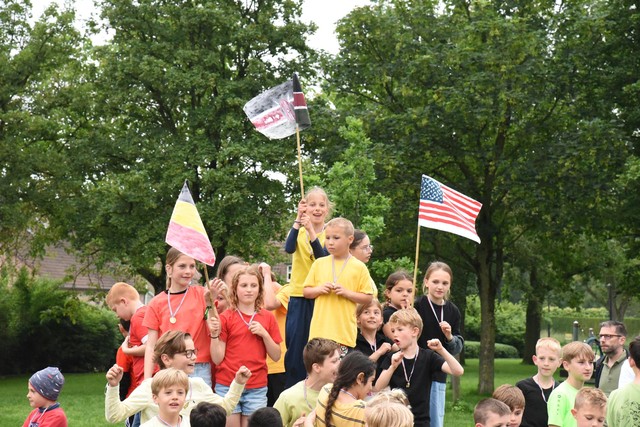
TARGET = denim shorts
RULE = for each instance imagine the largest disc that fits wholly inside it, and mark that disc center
(203, 370)
(250, 401)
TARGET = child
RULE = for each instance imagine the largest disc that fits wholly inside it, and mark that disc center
(514, 399)
(305, 241)
(361, 249)
(181, 307)
(124, 300)
(265, 417)
(44, 388)
(591, 406)
(577, 360)
(207, 414)
(321, 360)
(491, 412)
(623, 407)
(169, 389)
(244, 335)
(398, 294)
(417, 364)
(441, 319)
(338, 283)
(389, 415)
(227, 268)
(370, 340)
(536, 390)
(340, 404)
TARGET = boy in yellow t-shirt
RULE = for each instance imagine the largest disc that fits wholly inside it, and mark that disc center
(337, 283)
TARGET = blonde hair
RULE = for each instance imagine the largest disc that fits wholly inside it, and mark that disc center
(168, 378)
(391, 414)
(121, 290)
(433, 267)
(489, 406)
(317, 189)
(251, 271)
(549, 343)
(590, 396)
(396, 395)
(509, 394)
(407, 317)
(577, 349)
(345, 224)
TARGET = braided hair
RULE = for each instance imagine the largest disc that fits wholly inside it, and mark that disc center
(351, 366)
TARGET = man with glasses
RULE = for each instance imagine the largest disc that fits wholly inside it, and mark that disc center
(612, 337)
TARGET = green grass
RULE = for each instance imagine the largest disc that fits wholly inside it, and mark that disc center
(83, 395)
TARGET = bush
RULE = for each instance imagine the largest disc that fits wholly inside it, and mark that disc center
(503, 351)
(49, 326)
(510, 322)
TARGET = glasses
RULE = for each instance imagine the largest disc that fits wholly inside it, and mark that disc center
(367, 248)
(189, 353)
(607, 336)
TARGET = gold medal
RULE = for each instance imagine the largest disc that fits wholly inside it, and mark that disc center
(172, 320)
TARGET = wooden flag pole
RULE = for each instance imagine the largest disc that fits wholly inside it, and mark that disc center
(415, 268)
(299, 159)
(213, 310)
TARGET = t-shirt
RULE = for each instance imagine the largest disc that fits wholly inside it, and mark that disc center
(125, 361)
(189, 317)
(245, 348)
(349, 415)
(609, 377)
(280, 314)
(560, 404)
(54, 416)
(535, 408)
(294, 401)
(623, 407)
(138, 336)
(155, 422)
(334, 316)
(418, 375)
(302, 260)
(366, 348)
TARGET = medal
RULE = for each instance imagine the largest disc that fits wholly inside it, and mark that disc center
(172, 314)
(172, 320)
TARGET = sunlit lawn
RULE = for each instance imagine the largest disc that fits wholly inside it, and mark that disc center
(83, 395)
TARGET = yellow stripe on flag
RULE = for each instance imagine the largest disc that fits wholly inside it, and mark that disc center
(187, 215)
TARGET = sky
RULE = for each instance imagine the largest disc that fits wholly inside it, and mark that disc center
(324, 13)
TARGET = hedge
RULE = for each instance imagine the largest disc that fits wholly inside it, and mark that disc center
(503, 351)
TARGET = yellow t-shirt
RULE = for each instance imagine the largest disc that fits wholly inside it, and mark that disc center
(281, 318)
(350, 415)
(302, 260)
(334, 317)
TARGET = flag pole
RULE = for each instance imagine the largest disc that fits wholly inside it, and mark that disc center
(211, 302)
(299, 159)
(415, 268)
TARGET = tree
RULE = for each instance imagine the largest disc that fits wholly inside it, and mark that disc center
(169, 89)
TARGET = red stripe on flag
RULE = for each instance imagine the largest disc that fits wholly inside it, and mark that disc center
(298, 100)
(190, 242)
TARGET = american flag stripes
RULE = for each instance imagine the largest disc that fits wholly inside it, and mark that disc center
(445, 209)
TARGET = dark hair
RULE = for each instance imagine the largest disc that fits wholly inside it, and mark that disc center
(227, 262)
(126, 324)
(634, 350)
(206, 414)
(393, 280)
(265, 417)
(317, 350)
(620, 328)
(358, 237)
(351, 366)
(170, 343)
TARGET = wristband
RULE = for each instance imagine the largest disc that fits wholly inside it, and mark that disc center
(297, 222)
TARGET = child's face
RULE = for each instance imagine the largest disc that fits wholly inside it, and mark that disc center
(439, 283)
(181, 361)
(329, 368)
(401, 295)
(170, 399)
(317, 208)
(589, 415)
(363, 387)
(231, 271)
(370, 319)
(182, 271)
(495, 420)
(36, 400)
(221, 303)
(122, 309)
(516, 417)
(404, 335)
(547, 360)
(579, 368)
(364, 250)
(248, 289)
(337, 241)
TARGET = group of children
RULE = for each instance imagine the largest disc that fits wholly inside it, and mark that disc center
(344, 349)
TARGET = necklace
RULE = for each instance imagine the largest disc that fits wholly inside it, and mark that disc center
(408, 379)
(441, 319)
(347, 393)
(167, 424)
(553, 386)
(172, 314)
(333, 268)
(304, 385)
(250, 320)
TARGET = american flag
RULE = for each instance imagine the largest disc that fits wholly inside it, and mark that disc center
(445, 209)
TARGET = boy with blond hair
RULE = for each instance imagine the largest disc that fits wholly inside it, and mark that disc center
(169, 389)
(491, 412)
(411, 368)
(124, 300)
(337, 283)
(511, 396)
(624, 403)
(538, 388)
(590, 408)
(577, 360)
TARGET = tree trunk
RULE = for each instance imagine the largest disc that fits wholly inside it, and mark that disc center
(534, 316)
(487, 292)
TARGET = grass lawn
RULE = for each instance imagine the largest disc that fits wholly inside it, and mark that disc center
(83, 395)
